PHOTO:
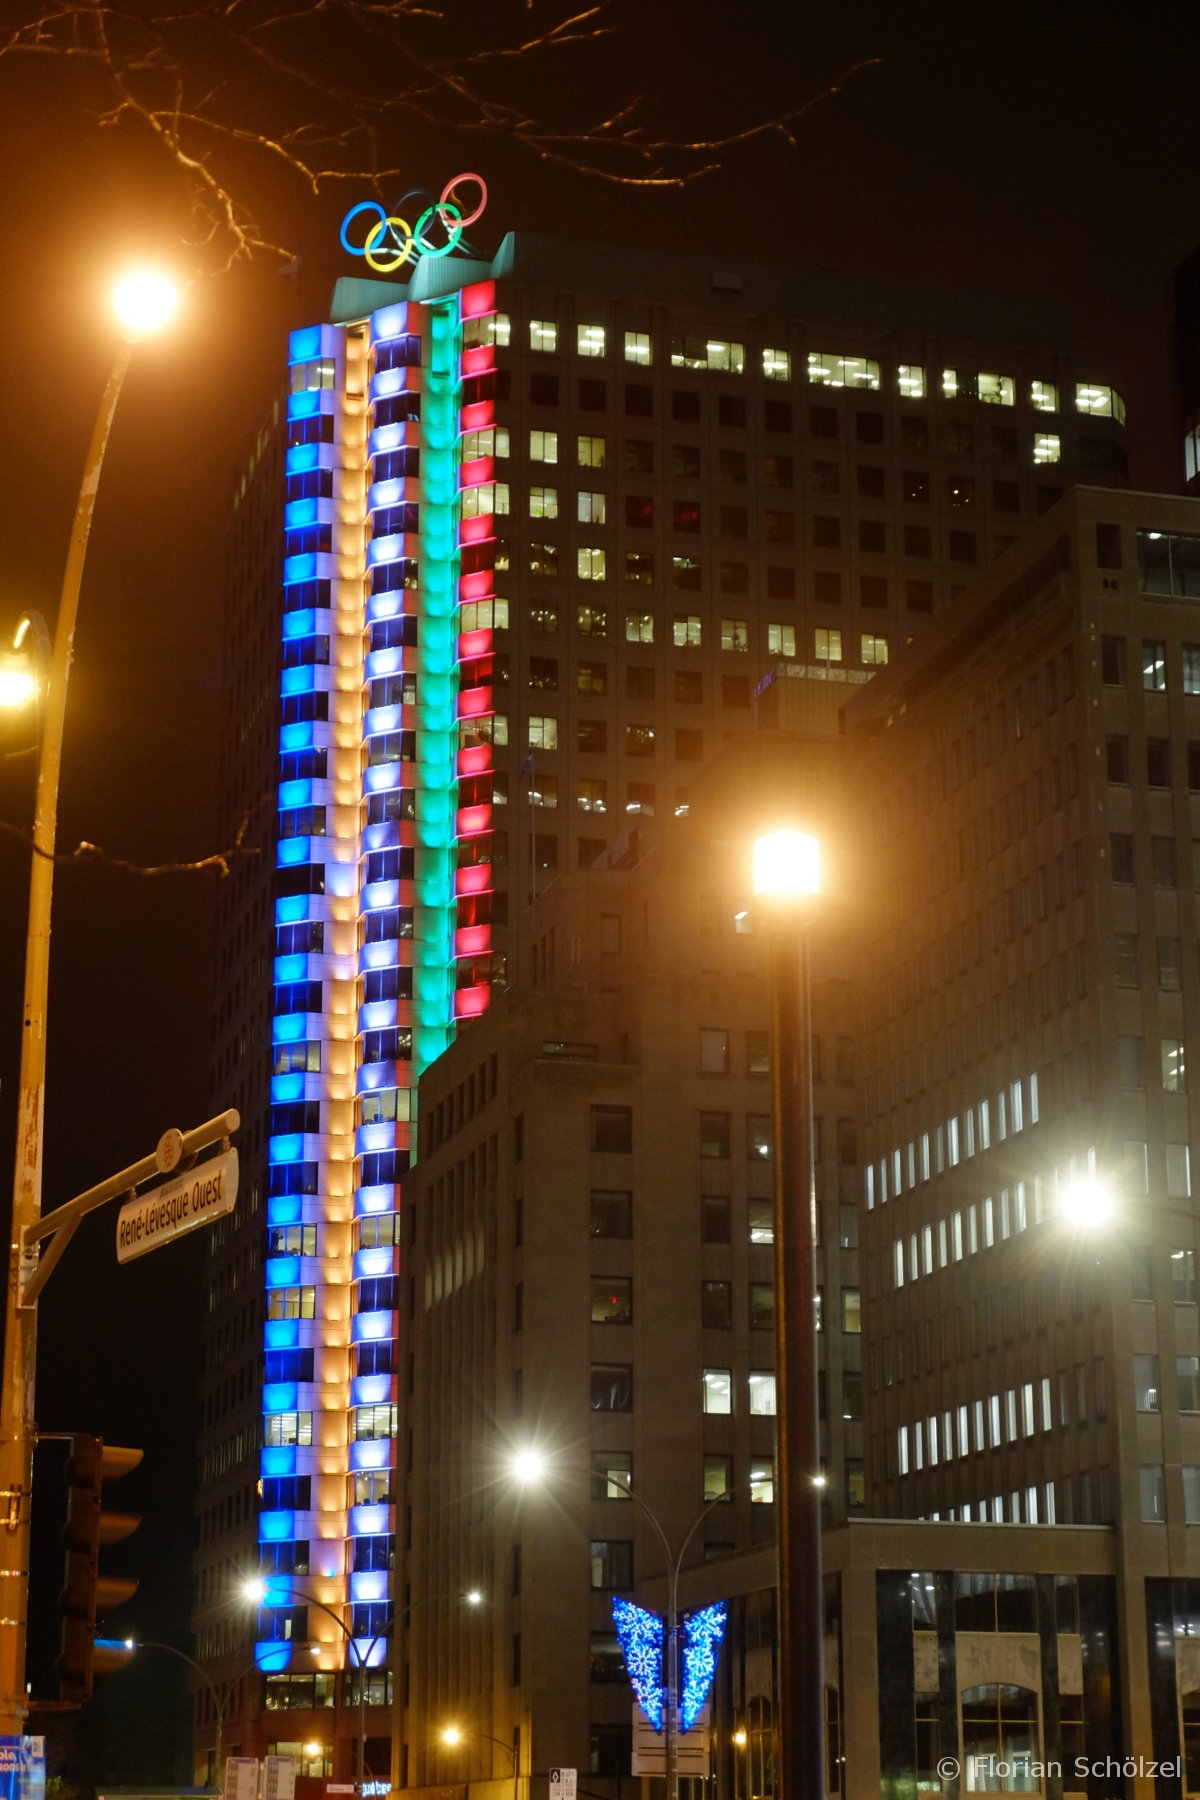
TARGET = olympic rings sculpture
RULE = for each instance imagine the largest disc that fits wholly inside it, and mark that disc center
(391, 240)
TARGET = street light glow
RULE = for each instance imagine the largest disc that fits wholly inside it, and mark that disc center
(18, 683)
(473, 1597)
(143, 301)
(451, 1735)
(1087, 1204)
(255, 1590)
(528, 1465)
(313, 1749)
(787, 865)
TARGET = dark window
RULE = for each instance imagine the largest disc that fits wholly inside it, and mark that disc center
(689, 686)
(591, 735)
(963, 546)
(689, 746)
(918, 540)
(918, 596)
(1122, 855)
(870, 482)
(1112, 661)
(777, 415)
(1006, 496)
(639, 457)
(1158, 762)
(593, 395)
(827, 587)
(639, 682)
(1116, 758)
(639, 511)
(639, 400)
(826, 532)
(873, 590)
(685, 515)
(781, 582)
(612, 1130)
(543, 390)
(868, 427)
(735, 690)
(685, 406)
(716, 1305)
(734, 521)
(714, 1134)
(611, 1213)
(715, 1220)
(823, 421)
(731, 411)
(612, 1387)
(872, 535)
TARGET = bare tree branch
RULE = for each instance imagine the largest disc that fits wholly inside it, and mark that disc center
(324, 88)
(218, 861)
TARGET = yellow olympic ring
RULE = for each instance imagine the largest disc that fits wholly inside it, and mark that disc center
(375, 238)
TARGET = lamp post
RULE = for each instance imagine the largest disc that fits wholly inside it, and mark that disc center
(219, 1695)
(529, 1466)
(143, 303)
(257, 1591)
(786, 877)
(454, 1734)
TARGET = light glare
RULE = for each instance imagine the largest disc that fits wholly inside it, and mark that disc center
(528, 1465)
(451, 1735)
(143, 302)
(18, 684)
(1087, 1204)
(787, 864)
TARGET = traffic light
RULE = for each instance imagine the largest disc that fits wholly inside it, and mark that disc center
(86, 1594)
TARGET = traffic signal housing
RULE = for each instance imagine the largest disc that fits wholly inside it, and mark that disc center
(87, 1594)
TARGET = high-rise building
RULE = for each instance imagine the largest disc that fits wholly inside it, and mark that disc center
(1029, 778)
(550, 521)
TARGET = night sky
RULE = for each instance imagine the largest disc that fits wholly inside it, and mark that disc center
(1045, 151)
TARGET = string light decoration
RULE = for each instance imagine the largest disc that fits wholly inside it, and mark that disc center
(702, 1635)
(640, 1635)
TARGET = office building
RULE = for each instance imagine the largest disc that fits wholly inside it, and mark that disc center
(550, 520)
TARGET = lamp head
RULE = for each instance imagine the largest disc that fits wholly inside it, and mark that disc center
(1086, 1204)
(18, 682)
(143, 301)
(451, 1734)
(473, 1597)
(313, 1749)
(787, 865)
(254, 1590)
(528, 1466)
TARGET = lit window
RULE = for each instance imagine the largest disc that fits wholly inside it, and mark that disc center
(543, 335)
(735, 634)
(708, 353)
(781, 640)
(874, 650)
(997, 390)
(590, 452)
(589, 563)
(1102, 402)
(912, 381)
(592, 796)
(842, 371)
(851, 1311)
(718, 1391)
(950, 383)
(589, 508)
(492, 441)
(543, 733)
(488, 497)
(1174, 1068)
(762, 1481)
(543, 503)
(589, 340)
(591, 621)
(685, 631)
(1043, 396)
(543, 446)
(489, 329)
(637, 347)
(827, 645)
(777, 365)
(762, 1393)
(639, 628)
(287, 1428)
(640, 798)
(1047, 447)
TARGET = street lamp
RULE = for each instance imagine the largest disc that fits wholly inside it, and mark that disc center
(17, 1411)
(787, 876)
(453, 1735)
(522, 1462)
(257, 1590)
(1087, 1204)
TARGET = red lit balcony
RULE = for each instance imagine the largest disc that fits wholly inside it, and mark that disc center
(476, 530)
(473, 702)
(477, 299)
(478, 585)
(470, 1002)
(473, 940)
(477, 416)
(473, 643)
(469, 821)
(476, 879)
(475, 759)
(473, 474)
(478, 358)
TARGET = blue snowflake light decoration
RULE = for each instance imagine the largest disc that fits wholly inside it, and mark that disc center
(702, 1635)
(640, 1634)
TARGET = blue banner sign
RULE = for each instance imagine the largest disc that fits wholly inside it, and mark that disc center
(22, 1768)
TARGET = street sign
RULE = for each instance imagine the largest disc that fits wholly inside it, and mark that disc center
(562, 1784)
(650, 1746)
(241, 1778)
(22, 1768)
(206, 1192)
(279, 1778)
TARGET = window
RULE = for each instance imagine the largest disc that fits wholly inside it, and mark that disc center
(910, 378)
(716, 1305)
(1121, 850)
(851, 1311)
(592, 678)
(828, 370)
(637, 348)
(777, 365)
(612, 1130)
(1153, 1490)
(639, 568)
(543, 559)
(543, 335)
(612, 1300)
(762, 1392)
(639, 627)
(708, 353)
(611, 1213)
(1116, 758)
(589, 452)
(1179, 1171)
(1043, 396)
(762, 1481)
(590, 563)
(1154, 665)
(761, 1306)
(1102, 402)
(1174, 1072)
(717, 1390)
(590, 508)
(1187, 1373)
(1162, 861)
(759, 1143)
(1112, 661)
(735, 634)
(612, 1563)
(999, 1732)
(543, 732)
(639, 740)
(1145, 1384)
(781, 640)
(543, 446)
(685, 572)
(589, 340)
(715, 1219)
(1125, 955)
(827, 645)
(874, 650)
(612, 1387)
(685, 631)
(714, 1050)
(1047, 447)
(714, 1134)
(591, 736)
(996, 390)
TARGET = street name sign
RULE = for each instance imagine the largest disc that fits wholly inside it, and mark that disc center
(206, 1192)
(563, 1784)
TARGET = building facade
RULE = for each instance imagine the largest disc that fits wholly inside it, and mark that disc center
(541, 546)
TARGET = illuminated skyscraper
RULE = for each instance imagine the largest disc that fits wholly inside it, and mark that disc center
(550, 522)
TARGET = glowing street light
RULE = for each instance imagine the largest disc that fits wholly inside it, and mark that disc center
(1087, 1204)
(787, 865)
(143, 301)
(451, 1735)
(528, 1466)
